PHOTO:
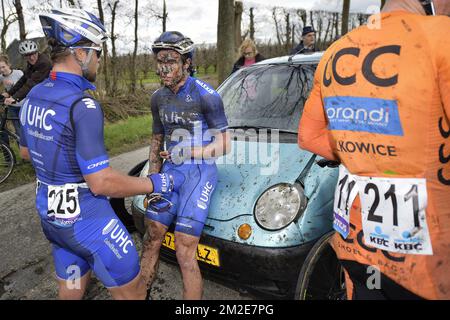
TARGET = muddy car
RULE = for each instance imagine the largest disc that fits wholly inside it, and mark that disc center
(273, 200)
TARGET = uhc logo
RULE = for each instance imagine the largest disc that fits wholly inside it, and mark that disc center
(363, 114)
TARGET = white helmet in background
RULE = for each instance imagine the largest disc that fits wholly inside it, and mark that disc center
(28, 47)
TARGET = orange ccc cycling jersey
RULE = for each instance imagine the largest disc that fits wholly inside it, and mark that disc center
(381, 105)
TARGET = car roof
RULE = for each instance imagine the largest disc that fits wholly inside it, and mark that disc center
(308, 58)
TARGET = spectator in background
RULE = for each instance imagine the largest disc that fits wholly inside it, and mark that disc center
(9, 77)
(248, 55)
(307, 45)
(38, 69)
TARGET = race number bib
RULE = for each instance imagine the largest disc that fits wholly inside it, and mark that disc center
(393, 214)
(63, 203)
(344, 196)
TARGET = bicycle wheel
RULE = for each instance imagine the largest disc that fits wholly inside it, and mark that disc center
(321, 276)
(6, 162)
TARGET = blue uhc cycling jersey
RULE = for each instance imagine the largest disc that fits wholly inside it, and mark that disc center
(62, 128)
(51, 114)
(195, 109)
(189, 117)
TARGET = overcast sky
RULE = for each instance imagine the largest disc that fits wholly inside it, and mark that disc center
(196, 19)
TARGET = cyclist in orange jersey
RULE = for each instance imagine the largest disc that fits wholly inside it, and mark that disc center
(381, 106)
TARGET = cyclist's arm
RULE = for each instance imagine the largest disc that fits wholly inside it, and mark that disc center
(157, 139)
(93, 159)
(17, 86)
(24, 153)
(313, 134)
(213, 111)
(219, 147)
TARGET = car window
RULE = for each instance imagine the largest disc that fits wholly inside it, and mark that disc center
(267, 96)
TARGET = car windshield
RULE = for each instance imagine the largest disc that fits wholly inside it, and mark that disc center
(267, 96)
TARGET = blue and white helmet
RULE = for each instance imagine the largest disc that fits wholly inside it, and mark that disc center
(174, 40)
(69, 26)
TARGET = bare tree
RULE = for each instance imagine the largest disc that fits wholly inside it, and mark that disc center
(336, 24)
(225, 39)
(105, 47)
(238, 9)
(303, 15)
(7, 20)
(287, 34)
(159, 13)
(133, 59)
(345, 15)
(252, 24)
(19, 12)
(277, 26)
(112, 5)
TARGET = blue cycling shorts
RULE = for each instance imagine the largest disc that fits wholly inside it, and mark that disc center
(191, 203)
(94, 240)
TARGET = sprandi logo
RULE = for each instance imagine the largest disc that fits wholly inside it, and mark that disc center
(363, 114)
(260, 148)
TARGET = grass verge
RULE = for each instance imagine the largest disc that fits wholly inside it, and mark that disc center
(121, 136)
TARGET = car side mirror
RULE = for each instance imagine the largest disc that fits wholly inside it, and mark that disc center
(328, 163)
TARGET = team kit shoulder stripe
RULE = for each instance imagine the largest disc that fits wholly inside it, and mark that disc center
(205, 87)
(90, 104)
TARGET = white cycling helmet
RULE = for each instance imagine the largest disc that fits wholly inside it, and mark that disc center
(69, 26)
(28, 47)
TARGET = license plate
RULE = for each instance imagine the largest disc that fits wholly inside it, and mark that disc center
(204, 253)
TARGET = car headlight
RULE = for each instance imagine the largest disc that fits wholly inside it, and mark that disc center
(279, 205)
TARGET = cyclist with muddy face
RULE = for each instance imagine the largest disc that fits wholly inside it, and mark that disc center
(189, 119)
(381, 106)
(62, 135)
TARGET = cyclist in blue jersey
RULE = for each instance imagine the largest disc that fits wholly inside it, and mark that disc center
(189, 118)
(62, 135)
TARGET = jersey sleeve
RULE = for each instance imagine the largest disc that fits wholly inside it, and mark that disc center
(87, 120)
(157, 127)
(213, 111)
(313, 134)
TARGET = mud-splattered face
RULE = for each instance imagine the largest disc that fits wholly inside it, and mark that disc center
(170, 68)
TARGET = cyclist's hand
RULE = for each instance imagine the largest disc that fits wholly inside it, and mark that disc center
(9, 101)
(166, 183)
(165, 155)
(5, 94)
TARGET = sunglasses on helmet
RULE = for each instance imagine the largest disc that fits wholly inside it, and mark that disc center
(98, 50)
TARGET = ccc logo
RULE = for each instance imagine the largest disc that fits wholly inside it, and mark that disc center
(442, 157)
(367, 67)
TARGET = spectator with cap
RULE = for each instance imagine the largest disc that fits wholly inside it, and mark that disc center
(37, 70)
(307, 44)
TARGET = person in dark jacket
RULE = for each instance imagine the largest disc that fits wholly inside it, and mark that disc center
(248, 55)
(37, 70)
(308, 41)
